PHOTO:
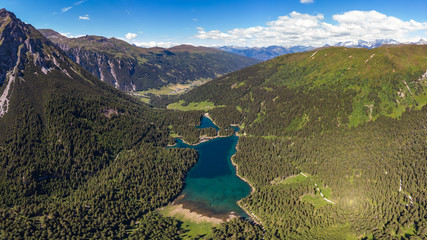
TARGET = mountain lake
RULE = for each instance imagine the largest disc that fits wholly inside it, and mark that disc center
(212, 187)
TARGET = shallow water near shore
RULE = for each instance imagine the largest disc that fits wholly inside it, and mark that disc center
(212, 186)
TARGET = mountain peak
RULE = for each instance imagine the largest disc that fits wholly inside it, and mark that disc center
(367, 44)
(132, 68)
(4, 14)
(26, 55)
(6, 18)
(49, 33)
(421, 42)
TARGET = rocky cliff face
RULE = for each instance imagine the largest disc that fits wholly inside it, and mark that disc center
(131, 68)
(21, 45)
(30, 63)
(118, 72)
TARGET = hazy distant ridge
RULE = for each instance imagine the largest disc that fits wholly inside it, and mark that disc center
(266, 53)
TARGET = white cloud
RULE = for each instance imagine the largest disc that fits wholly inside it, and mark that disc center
(80, 2)
(68, 35)
(131, 36)
(306, 1)
(155, 44)
(65, 9)
(305, 29)
(65, 34)
(85, 17)
(195, 19)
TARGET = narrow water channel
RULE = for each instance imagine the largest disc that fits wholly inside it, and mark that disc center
(212, 187)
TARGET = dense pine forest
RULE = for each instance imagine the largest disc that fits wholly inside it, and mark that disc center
(333, 140)
(80, 159)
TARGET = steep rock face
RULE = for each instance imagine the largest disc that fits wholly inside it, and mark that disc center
(30, 65)
(115, 71)
(22, 45)
(132, 68)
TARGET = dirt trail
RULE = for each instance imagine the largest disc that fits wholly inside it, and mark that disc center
(317, 188)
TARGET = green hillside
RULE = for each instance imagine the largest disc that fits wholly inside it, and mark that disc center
(327, 87)
(352, 120)
(79, 159)
(332, 140)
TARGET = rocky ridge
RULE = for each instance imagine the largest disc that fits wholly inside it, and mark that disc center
(131, 68)
(21, 45)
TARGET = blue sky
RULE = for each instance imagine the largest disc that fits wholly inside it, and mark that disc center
(228, 22)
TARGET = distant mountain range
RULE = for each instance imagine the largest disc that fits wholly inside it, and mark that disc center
(266, 53)
(132, 68)
(376, 43)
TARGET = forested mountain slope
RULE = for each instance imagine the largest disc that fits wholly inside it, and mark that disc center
(334, 141)
(79, 159)
(133, 68)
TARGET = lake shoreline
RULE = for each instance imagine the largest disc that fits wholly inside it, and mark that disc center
(194, 207)
(208, 116)
(248, 212)
(195, 216)
(202, 139)
(237, 170)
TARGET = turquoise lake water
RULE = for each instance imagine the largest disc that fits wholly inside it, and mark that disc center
(207, 123)
(211, 186)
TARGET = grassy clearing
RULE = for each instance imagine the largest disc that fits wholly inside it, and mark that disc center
(292, 179)
(174, 135)
(327, 192)
(298, 123)
(206, 105)
(145, 99)
(171, 89)
(165, 90)
(314, 199)
(174, 89)
(269, 137)
(192, 228)
(341, 232)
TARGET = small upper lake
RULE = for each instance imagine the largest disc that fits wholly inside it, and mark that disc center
(212, 187)
(207, 123)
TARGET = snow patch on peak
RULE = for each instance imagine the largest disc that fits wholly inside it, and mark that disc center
(421, 42)
(366, 44)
